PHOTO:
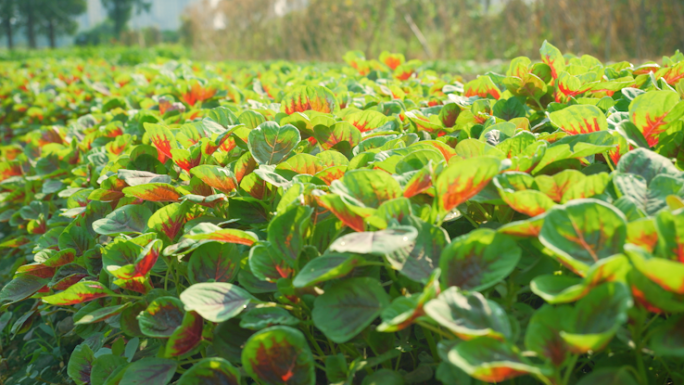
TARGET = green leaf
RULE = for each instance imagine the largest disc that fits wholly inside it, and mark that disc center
(336, 369)
(137, 178)
(213, 370)
(129, 319)
(267, 264)
(305, 98)
(150, 371)
(216, 301)
(328, 137)
(419, 263)
(127, 219)
(169, 220)
(101, 314)
(651, 198)
(469, 315)
(287, 230)
(336, 205)
(363, 191)
(22, 287)
(261, 318)
(609, 376)
(490, 360)
(187, 159)
(367, 120)
(652, 111)
(543, 333)
(104, 366)
(348, 307)
(279, 355)
(161, 137)
(463, 179)
(383, 242)
(647, 164)
(185, 337)
(83, 291)
(251, 119)
(326, 268)
(401, 313)
(300, 164)
(597, 317)
(670, 228)
(270, 144)
(210, 232)
(478, 260)
(553, 57)
(579, 119)
(582, 232)
(666, 273)
(217, 177)
(153, 192)
(520, 191)
(162, 317)
(126, 259)
(214, 262)
(652, 297)
(556, 289)
(384, 377)
(668, 338)
(81, 364)
(483, 87)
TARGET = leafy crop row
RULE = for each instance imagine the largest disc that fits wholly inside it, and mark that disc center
(376, 223)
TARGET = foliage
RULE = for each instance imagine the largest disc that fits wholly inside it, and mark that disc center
(121, 11)
(479, 30)
(52, 18)
(283, 223)
(127, 56)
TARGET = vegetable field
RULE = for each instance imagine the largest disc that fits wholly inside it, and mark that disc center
(375, 222)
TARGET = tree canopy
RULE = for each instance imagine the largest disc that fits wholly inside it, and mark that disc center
(121, 11)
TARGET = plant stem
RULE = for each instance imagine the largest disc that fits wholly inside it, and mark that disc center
(482, 210)
(610, 164)
(190, 361)
(132, 297)
(351, 351)
(472, 222)
(313, 341)
(333, 351)
(637, 329)
(436, 330)
(667, 368)
(538, 103)
(569, 369)
(166, 278)
(177, 280)
(431, 342)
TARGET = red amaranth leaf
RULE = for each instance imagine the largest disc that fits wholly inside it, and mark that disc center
(79, 293)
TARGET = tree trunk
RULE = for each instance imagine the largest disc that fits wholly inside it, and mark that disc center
(8, 33)
(51, 33)
(118, 19)
(30, 24)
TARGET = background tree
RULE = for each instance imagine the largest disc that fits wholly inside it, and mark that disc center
(57, 17)
(121, 11)
(7, 20)
(28, 12)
